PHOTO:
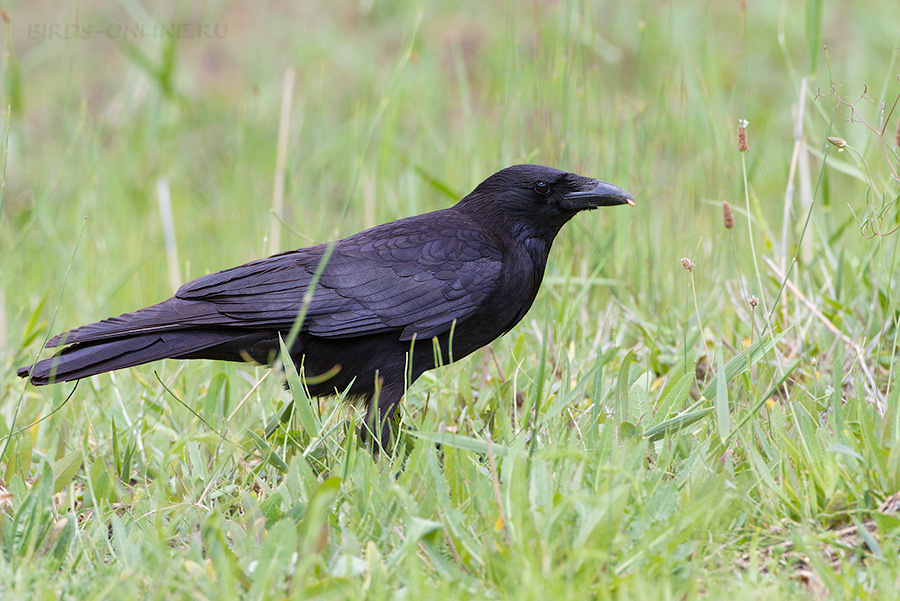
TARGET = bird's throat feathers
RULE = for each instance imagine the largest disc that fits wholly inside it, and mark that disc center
(538, 249)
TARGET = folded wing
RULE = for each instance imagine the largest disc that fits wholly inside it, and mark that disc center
(414, 276)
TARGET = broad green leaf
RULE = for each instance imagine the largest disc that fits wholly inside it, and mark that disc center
(65, 538)
(639, 398)
(275, 558)
(64, 470)
(676, 395)
(313, 531)
(629, 430)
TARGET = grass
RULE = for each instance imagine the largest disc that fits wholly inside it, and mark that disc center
(644, 433)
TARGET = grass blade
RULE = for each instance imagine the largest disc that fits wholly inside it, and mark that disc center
(741, 363)
(679, 422)
(722, 414)
(459, 441)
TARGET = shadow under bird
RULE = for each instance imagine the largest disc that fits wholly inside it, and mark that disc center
(386, 299)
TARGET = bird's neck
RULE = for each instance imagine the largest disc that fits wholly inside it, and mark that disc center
(538, 250)
(513, 227)
(518, 234)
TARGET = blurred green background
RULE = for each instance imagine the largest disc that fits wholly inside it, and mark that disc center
(398, 108)
(402, 108)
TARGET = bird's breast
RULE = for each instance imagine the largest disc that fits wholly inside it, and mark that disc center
(523, 273)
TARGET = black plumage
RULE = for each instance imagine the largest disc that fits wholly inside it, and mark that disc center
(471, 270)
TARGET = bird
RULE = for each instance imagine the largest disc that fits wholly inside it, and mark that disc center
(378, 308)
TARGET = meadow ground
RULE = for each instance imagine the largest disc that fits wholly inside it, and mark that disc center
(645, 432)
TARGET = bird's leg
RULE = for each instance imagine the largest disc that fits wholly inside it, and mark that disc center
(380, 408)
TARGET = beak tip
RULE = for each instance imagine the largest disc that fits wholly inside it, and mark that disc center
(600, 194)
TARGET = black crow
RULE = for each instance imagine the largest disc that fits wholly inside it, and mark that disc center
(386, 298)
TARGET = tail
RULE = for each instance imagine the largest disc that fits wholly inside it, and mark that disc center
(173, 329)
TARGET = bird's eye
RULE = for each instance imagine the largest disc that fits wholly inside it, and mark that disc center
(541, 187)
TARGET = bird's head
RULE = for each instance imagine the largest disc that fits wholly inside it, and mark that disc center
(537, 200)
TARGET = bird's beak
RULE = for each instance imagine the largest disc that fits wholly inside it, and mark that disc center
(601, 194)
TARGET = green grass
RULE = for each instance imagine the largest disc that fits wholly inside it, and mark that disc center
(606, 448)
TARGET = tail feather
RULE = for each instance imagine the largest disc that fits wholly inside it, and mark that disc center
(170, 315)
(90, 358)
